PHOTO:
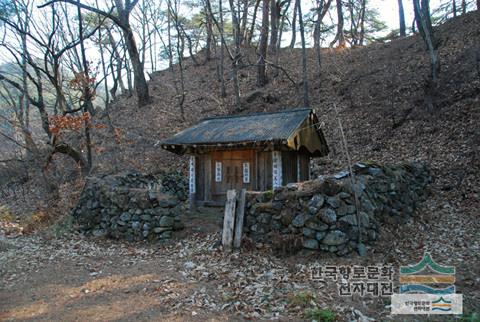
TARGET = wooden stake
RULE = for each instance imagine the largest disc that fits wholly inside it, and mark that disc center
(229, 219)
(237, 237)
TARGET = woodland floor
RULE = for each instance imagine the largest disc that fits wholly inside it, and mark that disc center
(73, 278)
(378, 91)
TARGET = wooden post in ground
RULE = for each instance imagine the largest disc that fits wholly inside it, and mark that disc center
(229, 219)
(237, 237)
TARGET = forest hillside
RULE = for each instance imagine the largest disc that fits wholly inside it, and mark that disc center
(378, 91)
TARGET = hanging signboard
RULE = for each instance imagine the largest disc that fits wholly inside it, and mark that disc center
(218, 171)
(246, 172)
(192, 175)
(277, 168)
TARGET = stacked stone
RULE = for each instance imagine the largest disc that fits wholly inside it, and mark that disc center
(175, 183)
(336, 213)
(129, 206)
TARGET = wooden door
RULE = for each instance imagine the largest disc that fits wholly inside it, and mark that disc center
(231, 164)
(233, 174)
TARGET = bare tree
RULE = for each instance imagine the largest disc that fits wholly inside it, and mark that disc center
(306, 101)
(294, 25)
(340, 37)
(363, 9)
(87, 91)
(248, 41)
(223, 91)
(243, 20)
(322, 8)
(262, 46)
(424, 25)
(209, 28)
(237, 55)
(122, 20)
(173, 13)
(401, 17)
(281, 27)
(117, 73)
(274, 17)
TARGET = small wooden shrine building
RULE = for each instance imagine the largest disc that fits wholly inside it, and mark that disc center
(257, 152)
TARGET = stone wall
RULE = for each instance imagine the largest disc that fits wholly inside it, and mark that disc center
(324, 212)
(132, 206)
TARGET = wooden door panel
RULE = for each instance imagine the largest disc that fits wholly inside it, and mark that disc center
(232, 171)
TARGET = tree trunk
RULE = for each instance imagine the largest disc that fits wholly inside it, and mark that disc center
(140, 83)
(141, 86)
(24, 102)
(454, 7)
(281, 27)
(273, 25)
(87, 91)
(401, 16)
(129, 77)
(252, 27)
(208, 26)
(340, 35)
(173, 11)
(104, 71)
(322, 9)
(306, 102)
(119, 61)
(353, 23)
(143, 22)
(262, 46)
(223, 91)
(243, 30)
(424, 25)
(464, 7)
(236, 56)
(56, 80)
(294, 25)
(362, 22)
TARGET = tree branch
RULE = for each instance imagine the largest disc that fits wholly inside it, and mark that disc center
(18, 87)
(108, 15)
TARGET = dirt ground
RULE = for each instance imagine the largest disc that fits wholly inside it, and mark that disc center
(77, 278)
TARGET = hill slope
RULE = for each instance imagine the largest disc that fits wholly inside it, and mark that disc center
(378, 91)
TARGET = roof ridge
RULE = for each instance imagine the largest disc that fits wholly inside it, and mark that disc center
(255, 114)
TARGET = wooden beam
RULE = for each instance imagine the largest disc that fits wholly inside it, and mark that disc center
(237, 237)
(208, 177)
(229, 220)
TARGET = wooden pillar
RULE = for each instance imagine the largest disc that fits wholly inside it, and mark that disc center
(309, 169)
(299, 168)
(276, 169)
(208, 178)
(191, 178)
